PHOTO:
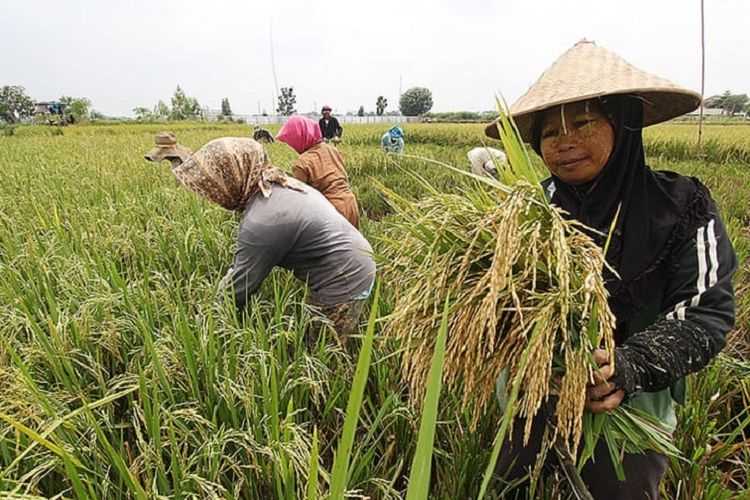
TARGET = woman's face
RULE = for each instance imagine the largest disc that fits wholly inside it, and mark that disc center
(576, 141)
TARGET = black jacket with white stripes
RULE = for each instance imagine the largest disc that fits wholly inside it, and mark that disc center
(685, 316)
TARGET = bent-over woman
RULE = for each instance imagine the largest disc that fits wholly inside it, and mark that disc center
(283, 223)
(393, 140)
(484, 161)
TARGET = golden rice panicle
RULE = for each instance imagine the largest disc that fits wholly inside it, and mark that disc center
(509, 264)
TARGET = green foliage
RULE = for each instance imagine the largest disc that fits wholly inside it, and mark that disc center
(143, 114)
(415, 101)
(7, 130)
(226, 109)
(340, 474)
(287, 101)
(463, 116)
(162, 111)
(380, 104)
(312, 474)
(714, 434)
(183, 107)
(730, 103)
(15, 105)
(421, 465)
(76, 108)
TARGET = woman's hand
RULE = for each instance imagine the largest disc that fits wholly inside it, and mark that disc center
(603, 396)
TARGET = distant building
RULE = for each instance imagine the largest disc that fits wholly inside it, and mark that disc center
(48, 107)
(41, 107)
(707, 112)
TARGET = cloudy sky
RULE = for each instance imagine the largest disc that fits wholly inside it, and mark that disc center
(345, 53)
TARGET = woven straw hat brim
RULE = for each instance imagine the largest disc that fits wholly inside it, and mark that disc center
(160, 153)
(587, 71)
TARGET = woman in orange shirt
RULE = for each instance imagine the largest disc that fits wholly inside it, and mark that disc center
(320, 165)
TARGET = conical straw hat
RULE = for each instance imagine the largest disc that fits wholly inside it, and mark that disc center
(167, 147)
(588, 71)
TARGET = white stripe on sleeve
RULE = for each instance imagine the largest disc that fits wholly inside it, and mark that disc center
(700, 244)
(705, 237)
(679, 305)
(713, 276)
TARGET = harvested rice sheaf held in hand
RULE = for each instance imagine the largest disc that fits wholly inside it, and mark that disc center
(526, 294)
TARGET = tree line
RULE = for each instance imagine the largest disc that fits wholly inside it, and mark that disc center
(414, 102)
(183, 107)
(16, 106)
(730, 103)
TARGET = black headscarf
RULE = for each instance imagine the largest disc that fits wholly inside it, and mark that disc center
(659, 210)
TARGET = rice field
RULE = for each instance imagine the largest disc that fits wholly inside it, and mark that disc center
(122, 376)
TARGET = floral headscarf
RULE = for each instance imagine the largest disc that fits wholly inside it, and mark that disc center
(230, 171)
(300, 133)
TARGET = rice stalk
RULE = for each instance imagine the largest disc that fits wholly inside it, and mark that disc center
(511, 266)
(421, 466)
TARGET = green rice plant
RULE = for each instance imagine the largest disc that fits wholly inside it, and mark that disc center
(312, 475)
(340, 472)
(714, 434)
(421, 466)
(108, 302)
(7, 130)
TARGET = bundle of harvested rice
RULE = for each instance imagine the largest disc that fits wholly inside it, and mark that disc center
(527, 296)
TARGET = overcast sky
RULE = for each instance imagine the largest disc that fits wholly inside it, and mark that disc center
(345, 53)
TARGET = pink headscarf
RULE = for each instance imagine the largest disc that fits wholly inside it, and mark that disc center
(300, 133)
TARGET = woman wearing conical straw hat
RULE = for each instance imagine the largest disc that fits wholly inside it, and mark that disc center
(672, 294)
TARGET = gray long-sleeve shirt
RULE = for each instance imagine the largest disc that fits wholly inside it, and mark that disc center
(302, 232)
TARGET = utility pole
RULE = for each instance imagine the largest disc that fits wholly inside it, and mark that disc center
(273, 66)
(398, 101)
(703, 78)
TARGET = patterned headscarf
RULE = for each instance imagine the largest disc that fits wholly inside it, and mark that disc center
(300, 133)
(230, 171)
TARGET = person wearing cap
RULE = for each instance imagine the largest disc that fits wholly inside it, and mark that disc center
(330, 128)
(284, 223)
(167, 148)
(393, 140)
(672, 293)
(320, 165)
